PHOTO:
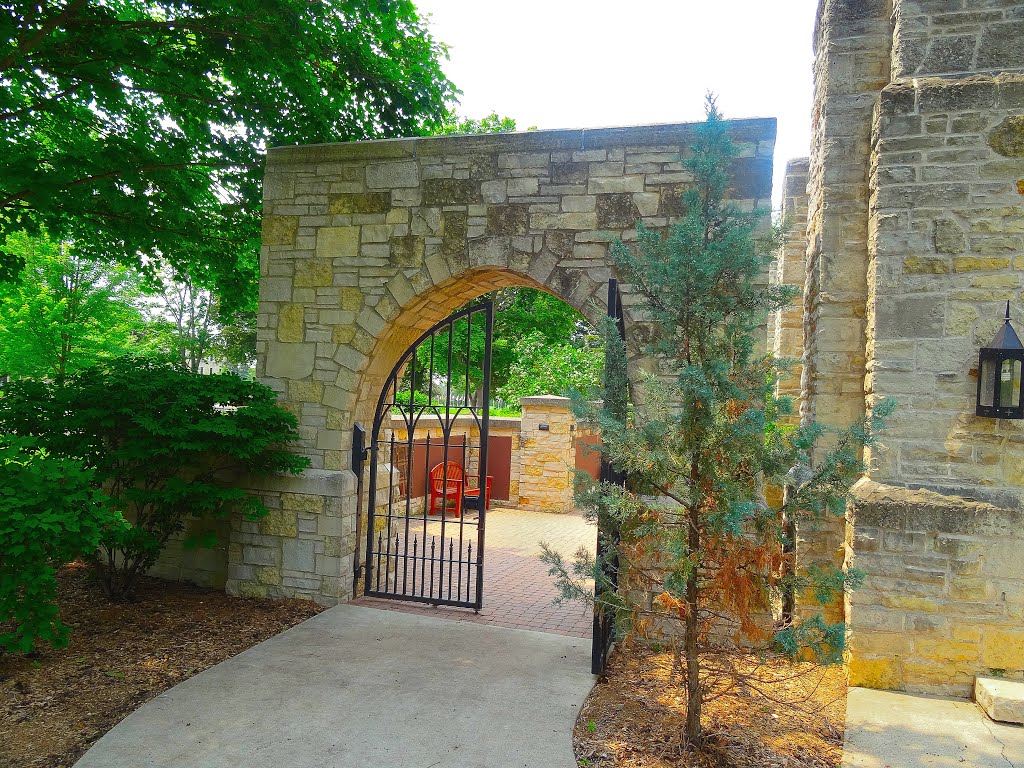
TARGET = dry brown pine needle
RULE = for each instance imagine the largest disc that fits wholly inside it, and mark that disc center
(635, 717)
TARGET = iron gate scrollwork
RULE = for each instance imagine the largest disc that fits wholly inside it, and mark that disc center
(607, 530)
(429, 488)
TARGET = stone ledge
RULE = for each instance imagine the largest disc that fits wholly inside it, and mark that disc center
(578, 139)
(549, 400)
(1000, 699)
(887, 506)
(930, 95)
(312, 482)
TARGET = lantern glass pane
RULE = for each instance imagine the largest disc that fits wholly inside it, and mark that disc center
(1014, 397)
(988, 383)
(1009, 384)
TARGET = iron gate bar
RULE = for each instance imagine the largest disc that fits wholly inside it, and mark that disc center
(607, 530)
(390, 553)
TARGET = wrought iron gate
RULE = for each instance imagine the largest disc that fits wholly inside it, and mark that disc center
(429, 488)
(607, 530)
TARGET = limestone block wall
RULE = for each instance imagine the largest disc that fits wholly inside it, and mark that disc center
(204, 566)
(304, 547)
(956, 37)
(914, 242)
(367, 244)
(851, 65)
(548, 454)
(947, 252)
(943, 596)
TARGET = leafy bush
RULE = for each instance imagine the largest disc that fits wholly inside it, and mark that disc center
(50, 513)
(164, 444)
(402, 400)
(544, 368)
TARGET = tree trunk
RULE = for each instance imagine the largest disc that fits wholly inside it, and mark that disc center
(788, 571)
(694, 697)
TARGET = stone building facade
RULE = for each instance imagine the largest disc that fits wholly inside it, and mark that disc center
(915, 240)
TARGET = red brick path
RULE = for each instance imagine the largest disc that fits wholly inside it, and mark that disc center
(518, 592)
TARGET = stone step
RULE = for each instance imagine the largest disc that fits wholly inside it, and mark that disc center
(1000, 699)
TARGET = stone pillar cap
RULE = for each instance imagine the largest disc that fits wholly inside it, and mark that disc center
(545, 400)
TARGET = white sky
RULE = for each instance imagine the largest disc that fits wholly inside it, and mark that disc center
(575, 64)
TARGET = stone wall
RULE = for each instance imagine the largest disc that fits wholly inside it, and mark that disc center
(786, 326)
(943, 595)
(956, 37)
(915, 240)
(304, 547)
(851, 65)
(368, 244)
(947, 253)
(204, 566)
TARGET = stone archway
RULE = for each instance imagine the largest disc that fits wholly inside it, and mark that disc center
(366, 244)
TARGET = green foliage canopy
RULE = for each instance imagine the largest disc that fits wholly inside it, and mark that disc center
(164, 444)
(453, 124)
(541, 367)
(136, 129)
(528, 324)
(65, 312)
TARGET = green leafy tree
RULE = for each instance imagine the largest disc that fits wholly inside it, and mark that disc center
(519, 314)
(453, 124)
(183, 325)
(541, 367)
(524, 312)
(164, 444)
(65, 312)
(703, 447)
(50, 513)
(136, 129)
(237, 338)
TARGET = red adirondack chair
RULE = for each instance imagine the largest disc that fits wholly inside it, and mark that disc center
(447, 481)
(472, 494)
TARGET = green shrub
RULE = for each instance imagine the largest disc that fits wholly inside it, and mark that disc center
(50, 514)
(543, 368)
(164, 444)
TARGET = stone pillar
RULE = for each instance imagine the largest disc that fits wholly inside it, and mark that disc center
(548, 454)
(852, 42)
(304, 547)
(786, 327)
(851, 68)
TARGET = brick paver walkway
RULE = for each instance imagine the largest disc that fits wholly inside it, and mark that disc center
(518, 592)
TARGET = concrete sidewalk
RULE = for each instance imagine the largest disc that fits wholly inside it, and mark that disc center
(361, 688)
(885, 729)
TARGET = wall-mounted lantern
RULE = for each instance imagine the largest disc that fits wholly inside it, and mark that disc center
(1000, 383)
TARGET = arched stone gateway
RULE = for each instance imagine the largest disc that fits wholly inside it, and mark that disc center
(906, 235)
(367, 244)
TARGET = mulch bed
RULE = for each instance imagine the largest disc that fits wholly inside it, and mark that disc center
(55, 704)
(635, 717)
